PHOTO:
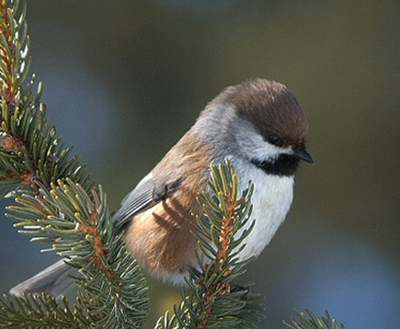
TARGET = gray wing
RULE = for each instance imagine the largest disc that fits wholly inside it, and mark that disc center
(146, 194)
(54, 280)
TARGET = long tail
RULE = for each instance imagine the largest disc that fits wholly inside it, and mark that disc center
(54, 280)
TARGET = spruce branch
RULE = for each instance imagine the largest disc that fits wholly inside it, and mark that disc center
(214, 301)
(308, 320)
(36, 312)
(55, 200)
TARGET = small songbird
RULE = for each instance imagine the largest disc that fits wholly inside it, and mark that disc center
(261, 128)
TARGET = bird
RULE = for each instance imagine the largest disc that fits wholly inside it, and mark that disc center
(261, 128)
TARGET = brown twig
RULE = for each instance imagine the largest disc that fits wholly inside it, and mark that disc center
(26, 178)
(7, 56)
(11, 144)
(224, 246)
(98, 257)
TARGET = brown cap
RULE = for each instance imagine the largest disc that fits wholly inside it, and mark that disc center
(270, 107)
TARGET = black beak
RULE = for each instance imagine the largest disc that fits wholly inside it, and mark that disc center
(302, 154)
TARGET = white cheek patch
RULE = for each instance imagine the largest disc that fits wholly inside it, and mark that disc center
(264, 151)
(253, 145)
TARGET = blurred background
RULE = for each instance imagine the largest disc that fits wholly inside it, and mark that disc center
(125, 79)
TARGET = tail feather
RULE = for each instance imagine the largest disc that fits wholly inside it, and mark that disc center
(54, 280)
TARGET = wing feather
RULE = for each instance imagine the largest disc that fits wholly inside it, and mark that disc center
(147, 193)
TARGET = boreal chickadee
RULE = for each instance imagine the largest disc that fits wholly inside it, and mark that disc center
(261, 128)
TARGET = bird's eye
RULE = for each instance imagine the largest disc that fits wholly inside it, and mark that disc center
(275, 140)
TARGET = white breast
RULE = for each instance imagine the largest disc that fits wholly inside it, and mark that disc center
(271, 200)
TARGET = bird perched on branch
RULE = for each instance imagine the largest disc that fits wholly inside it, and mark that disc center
(261, 128)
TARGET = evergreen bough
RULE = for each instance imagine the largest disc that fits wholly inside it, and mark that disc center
(57, 203)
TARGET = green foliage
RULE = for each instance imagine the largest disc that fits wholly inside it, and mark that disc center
(56, 203)
(308, 320)
(30, 149)
(39, 311)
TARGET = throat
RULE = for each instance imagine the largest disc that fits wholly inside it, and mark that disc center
(283, 165)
